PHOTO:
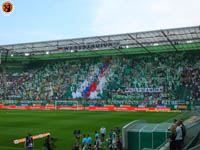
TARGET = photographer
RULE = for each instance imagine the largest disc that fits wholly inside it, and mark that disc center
(29, 142)
(49, 143)
(77, 135)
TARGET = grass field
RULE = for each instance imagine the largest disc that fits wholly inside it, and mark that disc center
(15, 124)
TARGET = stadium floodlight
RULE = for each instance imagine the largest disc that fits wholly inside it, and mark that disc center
(26, 54)
(72, 51)
(47, 52)
(11, 55)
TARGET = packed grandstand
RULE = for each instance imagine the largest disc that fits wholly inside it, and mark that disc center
(154, 77)
(157, 67)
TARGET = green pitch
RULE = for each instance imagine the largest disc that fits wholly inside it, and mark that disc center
(15, 124)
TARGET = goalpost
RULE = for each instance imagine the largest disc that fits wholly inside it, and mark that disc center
(67, 103)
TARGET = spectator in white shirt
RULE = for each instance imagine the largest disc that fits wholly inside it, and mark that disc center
(179, 136)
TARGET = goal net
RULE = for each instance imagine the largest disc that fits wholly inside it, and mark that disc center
(67, 103)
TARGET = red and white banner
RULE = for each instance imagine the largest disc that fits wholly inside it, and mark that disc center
(88, 108)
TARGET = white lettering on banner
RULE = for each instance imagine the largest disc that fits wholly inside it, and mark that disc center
(14, 96)
(144, 90)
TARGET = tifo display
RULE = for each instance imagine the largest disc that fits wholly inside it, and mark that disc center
(153, 78)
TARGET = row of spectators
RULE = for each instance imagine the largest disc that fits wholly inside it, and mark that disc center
(176, 74)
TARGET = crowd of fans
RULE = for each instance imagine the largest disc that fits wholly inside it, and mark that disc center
(1, 86)
(191, 79)
(108, 78)
(152, 71)
(102, 140)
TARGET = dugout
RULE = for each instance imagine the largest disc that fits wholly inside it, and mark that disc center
(138, 135)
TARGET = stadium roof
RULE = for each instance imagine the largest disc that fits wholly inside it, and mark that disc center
(177, 39)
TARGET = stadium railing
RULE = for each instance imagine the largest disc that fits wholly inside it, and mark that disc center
(197, 147)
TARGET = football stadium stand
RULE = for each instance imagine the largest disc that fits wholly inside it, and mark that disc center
(135, 77)
(156, 66)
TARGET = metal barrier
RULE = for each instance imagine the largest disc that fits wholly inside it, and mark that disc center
(197, 147)
(192, 134)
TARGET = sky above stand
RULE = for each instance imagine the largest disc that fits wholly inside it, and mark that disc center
(43, 20)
